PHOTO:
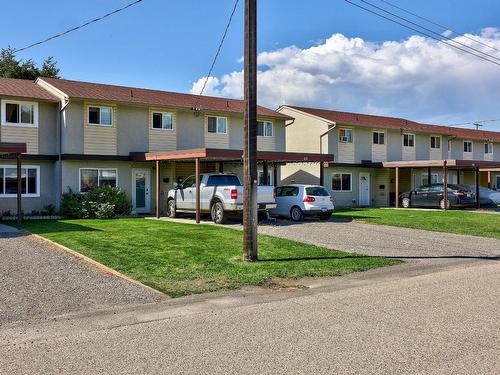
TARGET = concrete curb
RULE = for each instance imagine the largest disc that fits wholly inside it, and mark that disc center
(101, 267)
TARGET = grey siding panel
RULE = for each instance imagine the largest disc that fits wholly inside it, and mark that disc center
(133, 129)
(422, 147)
(394, 145)
(363, 144)
(189, 130)
(72, 132)
(48, 134)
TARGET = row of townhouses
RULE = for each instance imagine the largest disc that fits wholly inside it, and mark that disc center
(80, 135)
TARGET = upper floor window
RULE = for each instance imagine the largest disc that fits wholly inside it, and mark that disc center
(217, 124)
(488, 148)
(409, 140)
(30, 181)
(100, 115)
(435, 142)
(378, 138)
(345, 135)
(19, 113)
(264, 129)
(467, 146)
(162, 120)
(341, 181)
(93, 177)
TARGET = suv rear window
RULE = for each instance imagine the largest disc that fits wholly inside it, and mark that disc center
(223, 180)
(287, 191)
(317, 191)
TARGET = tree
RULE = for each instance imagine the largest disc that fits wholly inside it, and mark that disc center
(11, 67)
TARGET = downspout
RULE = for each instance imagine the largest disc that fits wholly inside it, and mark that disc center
(63, 107)
(321, 171)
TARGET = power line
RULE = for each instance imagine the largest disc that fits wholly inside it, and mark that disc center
(218, 50)
(421, 32)
(474, 122)
(78, 27)
(431, 31)
(439, 25)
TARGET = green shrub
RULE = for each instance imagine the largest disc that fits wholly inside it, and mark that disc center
(72, 205)
(48, 210)
(111, 195)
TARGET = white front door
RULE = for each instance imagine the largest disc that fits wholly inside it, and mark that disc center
(141, 190)
(364, 189)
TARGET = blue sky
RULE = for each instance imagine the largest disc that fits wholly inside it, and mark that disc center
(169, 44)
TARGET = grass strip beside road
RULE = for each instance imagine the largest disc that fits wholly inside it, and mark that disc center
(181, 259)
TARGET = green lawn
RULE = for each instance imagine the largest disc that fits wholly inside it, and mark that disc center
(180, 259)
(453, 221)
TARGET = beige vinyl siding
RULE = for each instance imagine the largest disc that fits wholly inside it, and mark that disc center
(162, 139)
(98, 139)
(267, 143)
(21, 134)
(379, 152)
(346, 152)
(217, 140)
(381, 187)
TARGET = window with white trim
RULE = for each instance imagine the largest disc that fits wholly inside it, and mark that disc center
(100, 115)
(435, 142)
(467, 146)
(425, 179)
(264, 129)
(488, 148)
(30, 181)
(18, 113)
(162, 120)
(217, 125)
(341, 181)
(378, 138)
(408, 140)
(91, 178)
(345, 135)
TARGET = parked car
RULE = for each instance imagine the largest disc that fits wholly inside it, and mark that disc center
(221, 194)
(432, 196)
(487, 197)
(296, 201)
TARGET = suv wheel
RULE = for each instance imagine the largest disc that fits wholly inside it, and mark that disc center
(296, 214)
(171, 212)
(441, 204)
(406, 203)
(217, 213)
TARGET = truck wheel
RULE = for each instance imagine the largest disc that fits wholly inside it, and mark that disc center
(261, 216)
(171, 212)
(406, 203)
(218, 214)
(296, 214)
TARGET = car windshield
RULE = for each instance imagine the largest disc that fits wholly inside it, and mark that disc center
(223, 180)
(317, 191)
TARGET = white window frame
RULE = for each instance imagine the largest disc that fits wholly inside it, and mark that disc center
(101, 107)
(26, 195)
(217, 125)
(428, 182)
(490, 148)
(440, 142)
(379, 132)
(98, 170)
(352, 136)
(19, 124)
(471, 147)
(403, 139)
(341, 173)
(264, 124)
(162, 114)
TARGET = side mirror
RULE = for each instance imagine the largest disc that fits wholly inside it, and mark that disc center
(178, 186)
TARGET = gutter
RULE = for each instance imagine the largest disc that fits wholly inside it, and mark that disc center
(63, 107)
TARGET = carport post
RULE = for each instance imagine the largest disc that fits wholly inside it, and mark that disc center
(275, 174)
(19, 191)
(157, 206)
(265, 172)
(445, 185)
(397, 187)
(197, 172)
(478, 202)
(429, 175)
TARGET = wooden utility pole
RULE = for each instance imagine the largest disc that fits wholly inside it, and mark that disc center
(250, 134)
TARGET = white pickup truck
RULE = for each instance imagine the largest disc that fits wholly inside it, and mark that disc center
(221, 194)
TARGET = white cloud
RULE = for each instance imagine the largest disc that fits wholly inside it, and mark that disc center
(417, 77)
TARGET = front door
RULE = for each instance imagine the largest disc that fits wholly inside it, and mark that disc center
(141, 187)
(364, 189)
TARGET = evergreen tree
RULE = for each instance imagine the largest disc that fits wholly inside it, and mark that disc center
(11, 67)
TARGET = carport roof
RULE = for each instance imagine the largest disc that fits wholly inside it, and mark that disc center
(228, 154)
(482, 164)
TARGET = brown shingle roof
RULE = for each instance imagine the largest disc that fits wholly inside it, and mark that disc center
(372, 121)
(25, 89)
(133, 95)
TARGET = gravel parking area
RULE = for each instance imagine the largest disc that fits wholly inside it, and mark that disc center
(382, 240)
(38, 282)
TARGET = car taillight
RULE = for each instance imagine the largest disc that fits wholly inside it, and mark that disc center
(458, 193)
(234, 194)
(309, 199)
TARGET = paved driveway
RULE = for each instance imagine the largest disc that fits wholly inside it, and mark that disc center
(37, 282)
(382, 240)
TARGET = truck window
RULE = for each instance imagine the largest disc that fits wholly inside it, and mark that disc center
(223, 180)
(190, 182)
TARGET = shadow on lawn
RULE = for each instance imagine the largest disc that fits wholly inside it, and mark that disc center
(316, 258)
(59, 226)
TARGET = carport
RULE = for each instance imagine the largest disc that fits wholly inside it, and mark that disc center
(9, 150)
(199, 155)
(460, 165)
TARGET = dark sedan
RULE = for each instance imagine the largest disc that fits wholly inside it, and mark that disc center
(432, 196)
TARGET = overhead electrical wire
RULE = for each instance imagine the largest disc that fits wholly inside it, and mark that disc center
(77, 27)
(445, 28)
(474, 122)
(422, 32)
